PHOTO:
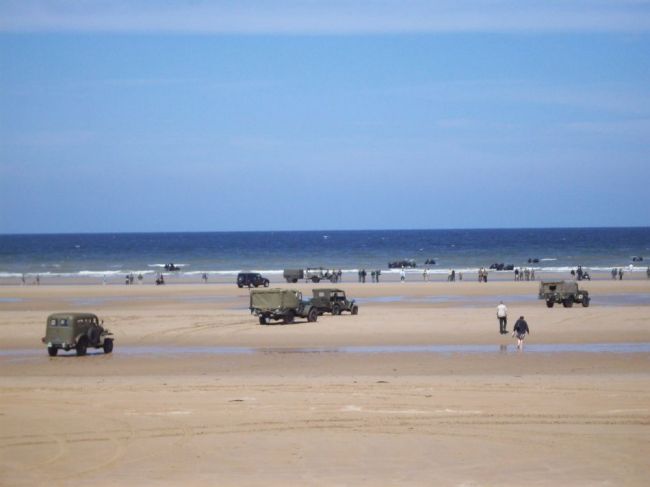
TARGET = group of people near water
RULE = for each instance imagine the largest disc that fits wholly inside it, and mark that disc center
(525, 274)
(374, 275)
(482, 275)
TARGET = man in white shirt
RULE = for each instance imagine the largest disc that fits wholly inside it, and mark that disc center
(502, 315)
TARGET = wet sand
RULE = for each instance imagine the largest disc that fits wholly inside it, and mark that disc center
(418, 389)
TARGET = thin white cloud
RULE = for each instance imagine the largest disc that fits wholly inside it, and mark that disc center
(324, 17)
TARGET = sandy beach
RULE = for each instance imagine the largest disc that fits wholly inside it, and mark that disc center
(418, 389)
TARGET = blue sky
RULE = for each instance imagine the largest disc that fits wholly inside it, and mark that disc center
(251, 115)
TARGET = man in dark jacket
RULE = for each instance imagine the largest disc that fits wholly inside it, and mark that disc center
(520, 330)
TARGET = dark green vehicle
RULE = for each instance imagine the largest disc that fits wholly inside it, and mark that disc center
(76, 331)
(281, 304)
(563, 292)
(331, 300)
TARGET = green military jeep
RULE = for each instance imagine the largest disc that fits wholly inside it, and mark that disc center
(76, 331)
(330, 300)
(281, 304)
(563, 292)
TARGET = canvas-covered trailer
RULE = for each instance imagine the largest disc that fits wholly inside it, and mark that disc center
(280, 304)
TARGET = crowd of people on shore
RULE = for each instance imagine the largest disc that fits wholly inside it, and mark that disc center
(525, 274)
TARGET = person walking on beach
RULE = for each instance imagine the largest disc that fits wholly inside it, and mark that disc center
(614, 272)
(620, 274)
(402, 275)
(520, 330)
(425, 274)
(502, 316)
(38, 279)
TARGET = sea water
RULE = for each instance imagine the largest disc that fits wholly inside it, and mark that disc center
(105, 255)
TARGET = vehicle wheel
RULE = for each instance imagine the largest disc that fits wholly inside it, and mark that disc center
(108, 345)
(336, 309)
(294, 280)
(313, 315)
(549, 304)
(240, 286)
(568, 303)
(355, 310)
(288, 318)
(266, 283)
(315, 280)
(82, 346)
(263, 320)
(52, 351)
(585, 302)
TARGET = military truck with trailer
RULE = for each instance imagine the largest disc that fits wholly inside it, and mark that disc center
(293, 275)
(281, 304)
(563, 292)
(76, 331)
(320, 274)
(331, 300)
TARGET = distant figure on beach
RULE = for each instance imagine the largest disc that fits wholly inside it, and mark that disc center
(520, 330)
(22, 279)
(205, 278)
(425, 274)
(402, 274)
(516, 274)
(363, 275)
(160, 280)
(483, 275)
(647, 272)
(140, 277)
(620, 274)
(377, 274)
(460, 276)
(614, 272)
(502, 316)
(532, 274)
(38, 279)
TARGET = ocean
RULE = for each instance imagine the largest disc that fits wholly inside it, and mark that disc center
(225, 253)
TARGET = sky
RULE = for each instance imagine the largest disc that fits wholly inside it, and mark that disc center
(142, 115)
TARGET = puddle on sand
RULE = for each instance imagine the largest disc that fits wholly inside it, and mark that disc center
(96, 301)
(547, 348)
(641, 299)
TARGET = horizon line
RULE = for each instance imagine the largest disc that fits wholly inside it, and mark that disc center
(171, 232)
